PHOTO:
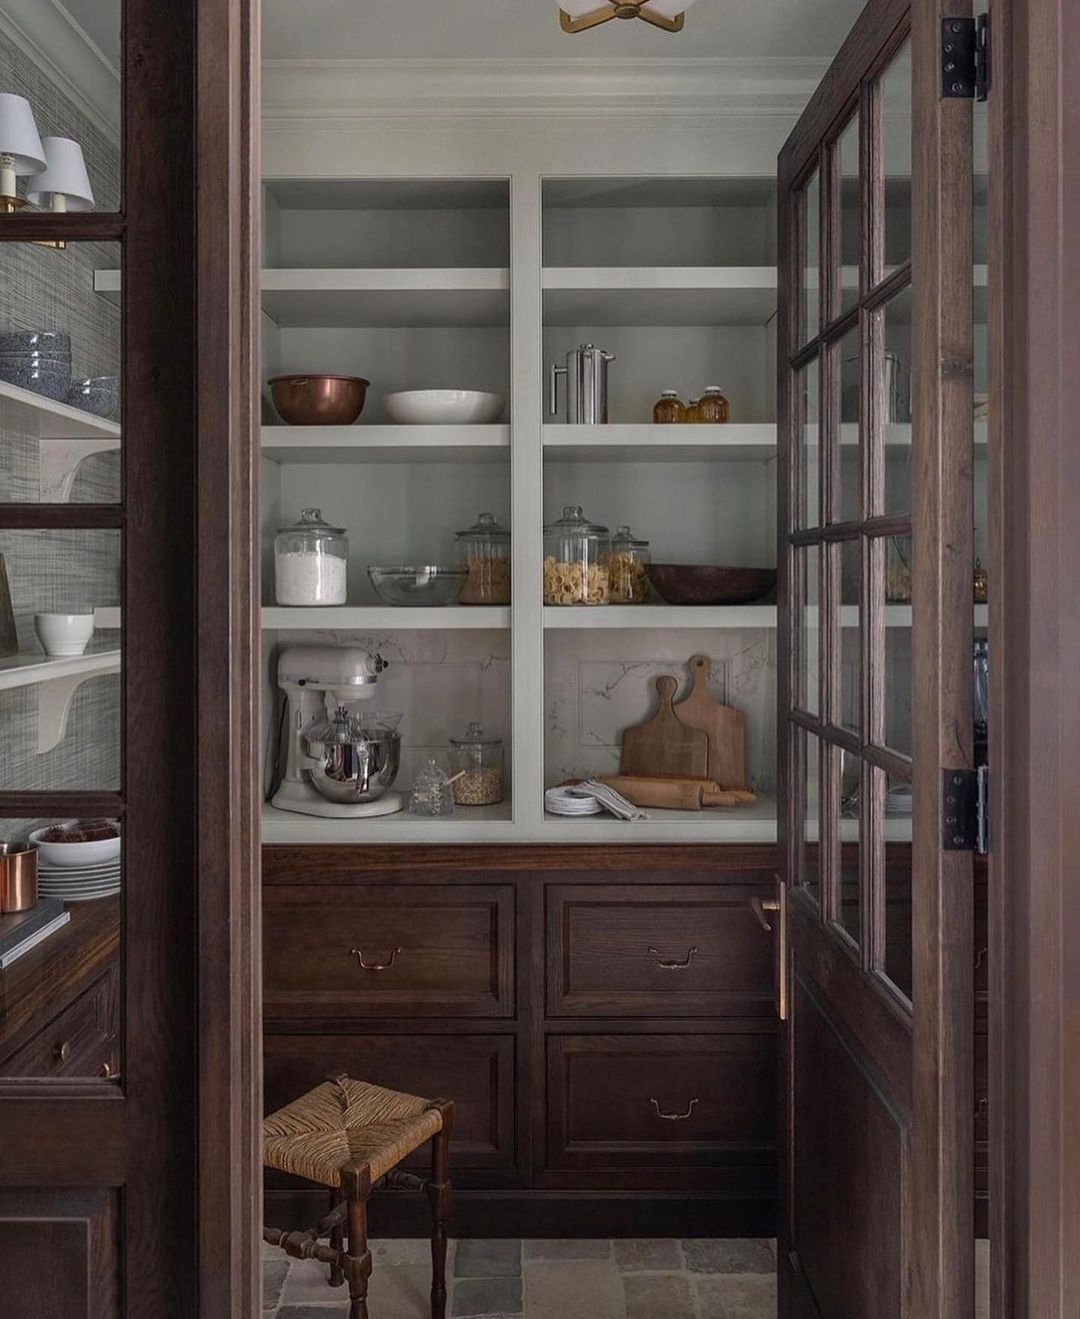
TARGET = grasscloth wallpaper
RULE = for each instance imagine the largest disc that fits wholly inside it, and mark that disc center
(60, 570)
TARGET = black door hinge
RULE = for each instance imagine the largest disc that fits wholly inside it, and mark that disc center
(965, 810)
(965, 58)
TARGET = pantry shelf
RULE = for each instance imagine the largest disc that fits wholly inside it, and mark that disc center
(59, 678)
(298, 299)
(488, 824)
(659, 444)
(66, 436)
(659, 295)
(386, 444)
(666, 617)
(363, 618)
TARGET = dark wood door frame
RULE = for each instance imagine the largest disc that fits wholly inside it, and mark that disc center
(228, 649)
(1035, 642)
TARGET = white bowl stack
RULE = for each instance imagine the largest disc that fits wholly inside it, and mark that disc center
(77, 872)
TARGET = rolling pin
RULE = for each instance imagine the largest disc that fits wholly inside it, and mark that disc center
(675, 794)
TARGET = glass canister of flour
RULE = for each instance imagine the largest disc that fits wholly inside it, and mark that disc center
(476, 767)
(311, 562)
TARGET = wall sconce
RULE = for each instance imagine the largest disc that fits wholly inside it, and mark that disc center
(580, 15)
(21, 152)
(64, 185)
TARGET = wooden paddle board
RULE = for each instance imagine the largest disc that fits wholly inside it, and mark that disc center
(723, 725)
(664, 745)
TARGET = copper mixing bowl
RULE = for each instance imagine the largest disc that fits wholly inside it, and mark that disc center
(319, 400)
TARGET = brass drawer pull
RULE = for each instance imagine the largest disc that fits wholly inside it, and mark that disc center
(674, 965)
(62, 1052)
(376, 966)
(673, 1117)
(759, 909)
(105, 1071)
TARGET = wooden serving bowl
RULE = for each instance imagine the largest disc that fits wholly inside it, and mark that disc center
(319, 400)
(703, 584)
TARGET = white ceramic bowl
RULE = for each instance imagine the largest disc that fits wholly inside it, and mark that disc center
(444, 407)
(64, 634)
(75, 854)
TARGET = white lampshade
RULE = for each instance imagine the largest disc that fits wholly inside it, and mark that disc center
(18, 134)
(65, 175)
(665, 8)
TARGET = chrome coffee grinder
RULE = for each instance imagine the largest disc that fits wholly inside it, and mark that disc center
(341, 756)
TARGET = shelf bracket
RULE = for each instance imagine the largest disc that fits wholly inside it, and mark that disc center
(61, 459)
(54, 705)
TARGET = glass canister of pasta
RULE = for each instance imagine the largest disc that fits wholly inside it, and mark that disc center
(626, 568)
(576, 554)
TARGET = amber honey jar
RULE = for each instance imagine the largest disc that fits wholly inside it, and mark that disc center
(668, 408)
(713, 408)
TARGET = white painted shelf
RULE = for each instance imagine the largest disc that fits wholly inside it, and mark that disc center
(386, 444)
(665, 617)
(659, 295)
(755, 823)
(66, 436)
(474, 824)
(409, 297)
(659, 444)
(59, 678)
(383, 618)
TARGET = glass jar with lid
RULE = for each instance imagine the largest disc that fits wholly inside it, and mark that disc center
(484, 553)
(476, 767)
(668, 408)
(626, 568)
(692, 411)
(310, 562)
(576, 560)
(713, 409)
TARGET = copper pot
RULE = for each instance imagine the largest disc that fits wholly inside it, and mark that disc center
(319, 400)
(18, 876)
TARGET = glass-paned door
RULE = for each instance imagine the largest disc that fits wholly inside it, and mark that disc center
(876, 636)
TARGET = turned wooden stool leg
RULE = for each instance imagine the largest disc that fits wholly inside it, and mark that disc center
(439, 1198)
(356, 1187)
(337, 1242)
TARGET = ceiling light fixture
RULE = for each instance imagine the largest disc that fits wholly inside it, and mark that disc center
(580, 15)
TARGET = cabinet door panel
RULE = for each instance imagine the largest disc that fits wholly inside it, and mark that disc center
(366, 950)
(687, 950)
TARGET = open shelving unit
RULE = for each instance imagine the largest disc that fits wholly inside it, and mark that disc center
(419, 283)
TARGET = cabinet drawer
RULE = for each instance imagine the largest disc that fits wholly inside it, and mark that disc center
(373, 950)
(475, 1071)
(646, 950)
(661, 1101)
(80, 1041)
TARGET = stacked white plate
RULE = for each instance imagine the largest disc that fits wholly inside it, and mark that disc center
(569, 801)
(79, 883)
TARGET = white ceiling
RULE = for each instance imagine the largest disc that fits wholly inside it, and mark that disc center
(524, 29)
(100, 20)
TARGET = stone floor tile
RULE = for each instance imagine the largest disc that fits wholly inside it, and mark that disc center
(487, 1259)
(731, 1296)
(486, 1296)
(556, 1250)
(648, 1256)
(400, 1292)
(732, 1255)
(649, 1296)
(307, 1282)
(400, 1250)
(273, 1278)
(573, 1289)
(314, 1311)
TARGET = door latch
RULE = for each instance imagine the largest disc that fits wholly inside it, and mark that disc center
(965, 58)
(778, 905)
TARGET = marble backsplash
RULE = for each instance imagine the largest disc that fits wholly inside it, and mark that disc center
(598, 683)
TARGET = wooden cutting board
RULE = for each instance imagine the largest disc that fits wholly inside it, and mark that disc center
(723, 725)
(665, 745)
(675, 794)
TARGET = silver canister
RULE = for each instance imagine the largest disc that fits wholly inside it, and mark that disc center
(586, 373)
(18, 877)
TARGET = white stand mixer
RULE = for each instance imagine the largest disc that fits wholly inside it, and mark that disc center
(317, 681)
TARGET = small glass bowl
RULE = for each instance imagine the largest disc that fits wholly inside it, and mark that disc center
(423, 586)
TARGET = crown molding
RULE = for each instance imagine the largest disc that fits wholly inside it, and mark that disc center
(48, 35)
(410, 89)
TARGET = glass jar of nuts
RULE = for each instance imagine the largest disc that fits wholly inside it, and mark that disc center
(576, 555)
(476, 768)
(626, 568)
(484, 552)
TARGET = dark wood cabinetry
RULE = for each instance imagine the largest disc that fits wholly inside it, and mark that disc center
(602, 1017)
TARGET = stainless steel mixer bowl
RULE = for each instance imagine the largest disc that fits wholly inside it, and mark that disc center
(357, 771)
